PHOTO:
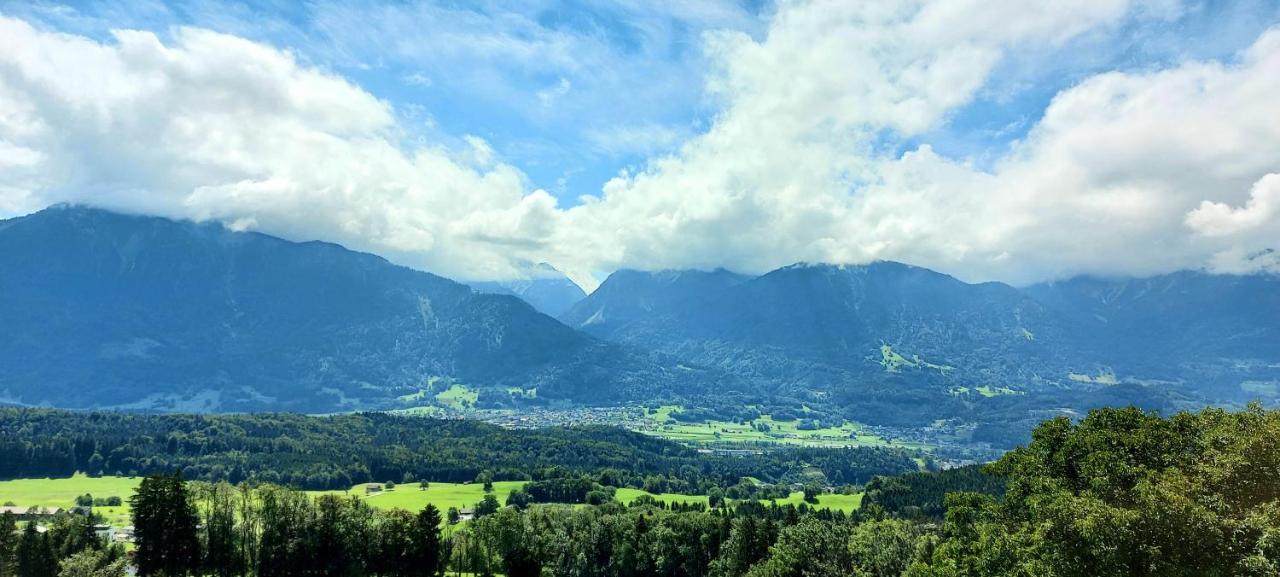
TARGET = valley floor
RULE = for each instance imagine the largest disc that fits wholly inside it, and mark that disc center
(62, 493)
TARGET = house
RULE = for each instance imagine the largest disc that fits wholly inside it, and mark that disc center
(32, 513)
(372, 489)
(123, 534)
(466, 514)
(104, 532)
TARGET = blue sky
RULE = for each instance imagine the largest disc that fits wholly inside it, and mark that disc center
(533, 108)
(574, 120)
(570, 92)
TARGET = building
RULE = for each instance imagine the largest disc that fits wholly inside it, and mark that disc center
(32, 513)
(123, 534)
(104, 532)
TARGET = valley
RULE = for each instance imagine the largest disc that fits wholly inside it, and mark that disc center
(882, 354)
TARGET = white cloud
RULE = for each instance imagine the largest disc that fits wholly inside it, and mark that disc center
(1217, 219)
(1126, 172)
(216, 127)
(790, 170)
(549, 95)
(646, 138)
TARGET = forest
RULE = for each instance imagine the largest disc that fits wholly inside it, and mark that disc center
(1120, 492)
(336, 452)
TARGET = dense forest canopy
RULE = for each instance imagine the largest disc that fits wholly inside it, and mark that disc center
(338, 451)
(1122, 492)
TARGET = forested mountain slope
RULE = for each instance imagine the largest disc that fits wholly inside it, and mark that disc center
(103, 309)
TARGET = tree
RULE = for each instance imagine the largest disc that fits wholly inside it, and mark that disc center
(487, 506)
(811, 547)
(34, 555)
(519, 498)
(164, 522)
(715, 497)
(884, 548)
(8, 543)
(428, 548)
(485, 478)
(93, 563)
(423, 485)
(454, 516)
(508, 535)
(748, 543)
(220, 543)
(811, 493)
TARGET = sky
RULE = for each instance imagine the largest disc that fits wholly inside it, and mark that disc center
(988, 139)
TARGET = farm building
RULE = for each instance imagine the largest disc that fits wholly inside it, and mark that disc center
(32, 513)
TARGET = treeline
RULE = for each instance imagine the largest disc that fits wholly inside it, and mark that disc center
(922, 494)
(68, 547)
(1120, 493)
(337, 452)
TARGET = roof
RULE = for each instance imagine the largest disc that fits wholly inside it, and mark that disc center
(31, 510)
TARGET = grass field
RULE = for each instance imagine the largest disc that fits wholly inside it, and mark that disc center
(627, 495)
(845, 503)
(63, 493)
(780, 432)
(443, 495)
(458, 396)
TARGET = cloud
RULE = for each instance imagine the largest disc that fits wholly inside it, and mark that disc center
(793, 168)
(212, 126)
(1216, 219)
(646, 138)
(818, 150)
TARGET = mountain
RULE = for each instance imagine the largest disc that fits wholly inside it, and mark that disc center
(629, 297)
(822, 323)
(547, 289)
(109, 310)
(1222, 331)
(889, 342)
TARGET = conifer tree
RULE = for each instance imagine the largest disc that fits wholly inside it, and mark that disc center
(164, 522)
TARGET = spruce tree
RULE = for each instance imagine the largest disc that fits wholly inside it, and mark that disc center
(429, 553)
(8, 543)
(35, 558)
(164, 524)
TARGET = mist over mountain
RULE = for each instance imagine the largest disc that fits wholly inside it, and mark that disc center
(109, 310)
(547, 289)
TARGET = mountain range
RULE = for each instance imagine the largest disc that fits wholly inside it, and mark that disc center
(110, 310)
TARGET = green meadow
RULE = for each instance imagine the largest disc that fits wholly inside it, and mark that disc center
(835, 502)
(63, 493)
(848, 434)
(410, 497)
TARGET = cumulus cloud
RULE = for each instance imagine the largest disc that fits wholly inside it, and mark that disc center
(1127, 172)
(1217, 219)
(791, 169)
(212, 126)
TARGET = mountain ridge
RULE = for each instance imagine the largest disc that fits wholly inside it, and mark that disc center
(106, 309)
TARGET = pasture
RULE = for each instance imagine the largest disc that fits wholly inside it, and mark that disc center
(63, 493)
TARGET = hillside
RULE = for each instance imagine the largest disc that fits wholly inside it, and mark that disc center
(816, 323)
(110, 310)
(893, 343)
